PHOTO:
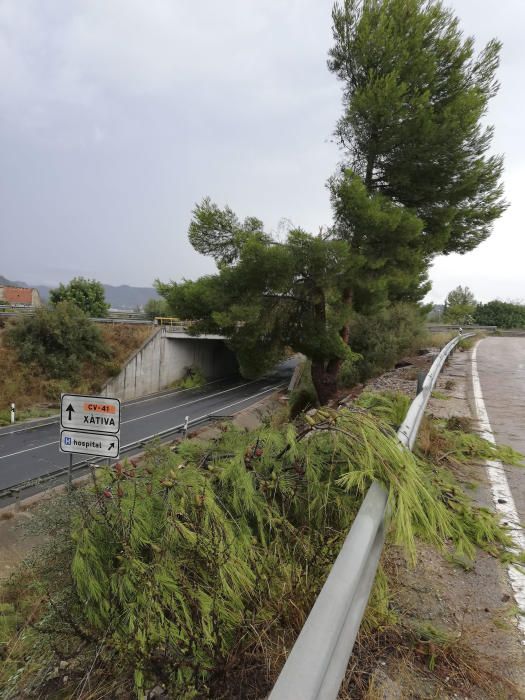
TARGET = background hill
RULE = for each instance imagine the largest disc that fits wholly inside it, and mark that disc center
(11, 283)
(120, 297)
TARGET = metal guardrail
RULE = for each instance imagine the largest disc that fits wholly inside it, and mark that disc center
(114, 315)
(317, 663)
(16, 309)
(444, 327)
(124, 319)
(408, 430)
(16, 489)
(175, 327)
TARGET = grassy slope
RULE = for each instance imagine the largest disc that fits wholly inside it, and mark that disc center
(35, 395)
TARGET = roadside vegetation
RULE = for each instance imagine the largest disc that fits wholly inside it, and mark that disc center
(154, 308)
(462, 308)
(59, 350)
(195, 568)
(193, 379)
(503, 314)
(87, 295)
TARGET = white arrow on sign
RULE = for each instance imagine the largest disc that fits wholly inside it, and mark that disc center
(91, 413)
(97, 444)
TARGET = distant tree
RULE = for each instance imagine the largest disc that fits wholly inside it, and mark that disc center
(58, 340)
(154, 308)
(504, 314)
(88, 295)
(460, 306)
(415, 96)
(435, 314)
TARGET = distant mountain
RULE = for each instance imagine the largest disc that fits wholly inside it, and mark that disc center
(121, 297)
(125, 297)
(4, 282)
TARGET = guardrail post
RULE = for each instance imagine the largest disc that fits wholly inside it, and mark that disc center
(420, 381)
(70, 472)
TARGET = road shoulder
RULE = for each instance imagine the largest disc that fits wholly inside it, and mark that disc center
(471, 604)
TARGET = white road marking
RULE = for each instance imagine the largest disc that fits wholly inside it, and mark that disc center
(188, 403)
(264, 391)
(172, 408)
(502, 496)
(222, 408)
(29, 449)
(133, 402)
(30, 427)
(160, 395)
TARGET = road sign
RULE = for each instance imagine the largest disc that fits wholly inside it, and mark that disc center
(91, 413)
(83, 442)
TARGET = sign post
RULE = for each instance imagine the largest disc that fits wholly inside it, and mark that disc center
(89, 425)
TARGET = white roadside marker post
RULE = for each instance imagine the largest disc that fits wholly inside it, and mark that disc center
(13, 413)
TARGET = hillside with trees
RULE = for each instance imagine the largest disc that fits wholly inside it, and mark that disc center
(59, 350)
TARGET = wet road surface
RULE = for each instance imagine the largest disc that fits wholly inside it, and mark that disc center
(501, 370)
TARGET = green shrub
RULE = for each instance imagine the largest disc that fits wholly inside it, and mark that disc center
(302, 400)
(500, 313)
(156, 308)
(383, 338)
(349, 374)
(182, 558)
(58, 340)
(52, 389)
(193, 379)
(87, 295)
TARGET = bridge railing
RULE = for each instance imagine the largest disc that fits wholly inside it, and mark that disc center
(444, 327)
(113, 315)
(317, 663)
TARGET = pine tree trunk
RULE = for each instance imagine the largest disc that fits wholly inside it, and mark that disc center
(325, 373)
(324, 381)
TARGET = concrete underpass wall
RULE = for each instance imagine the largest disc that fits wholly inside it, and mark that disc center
(161, 361)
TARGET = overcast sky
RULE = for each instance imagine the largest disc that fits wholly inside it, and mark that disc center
(117, 116)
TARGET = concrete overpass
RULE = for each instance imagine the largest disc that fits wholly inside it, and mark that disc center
(166, 357)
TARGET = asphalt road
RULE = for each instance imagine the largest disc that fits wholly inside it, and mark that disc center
(30, 451)
(501, 368)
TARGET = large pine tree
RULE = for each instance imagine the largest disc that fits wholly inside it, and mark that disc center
(418, 181)
(415, 95)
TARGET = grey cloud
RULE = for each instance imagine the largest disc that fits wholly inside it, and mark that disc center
(117, 117)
